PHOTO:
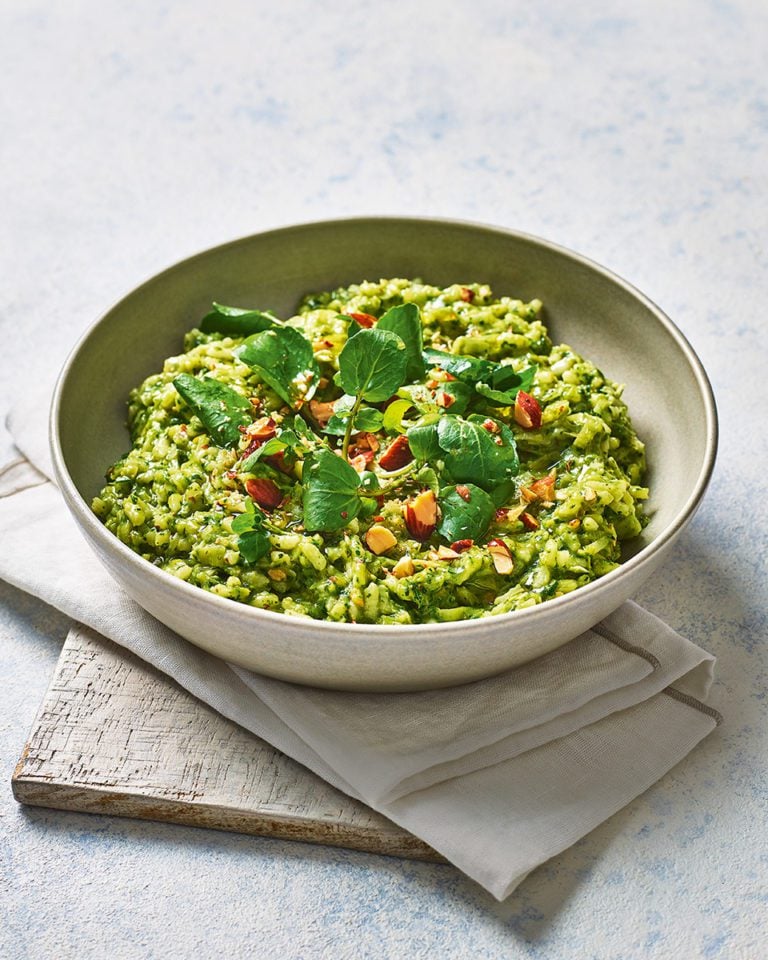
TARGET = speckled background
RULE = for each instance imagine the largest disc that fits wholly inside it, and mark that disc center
(136, 134)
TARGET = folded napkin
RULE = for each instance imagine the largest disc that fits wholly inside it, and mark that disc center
(497, 775)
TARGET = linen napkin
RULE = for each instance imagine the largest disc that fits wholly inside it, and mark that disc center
(498, 775)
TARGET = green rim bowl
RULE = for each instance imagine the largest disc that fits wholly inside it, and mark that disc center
(597, 313)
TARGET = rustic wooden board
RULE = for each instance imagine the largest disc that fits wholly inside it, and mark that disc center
(115, 736)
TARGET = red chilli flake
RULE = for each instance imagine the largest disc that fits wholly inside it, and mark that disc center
(364, 319)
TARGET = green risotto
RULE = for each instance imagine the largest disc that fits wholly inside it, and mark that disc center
(394, 453)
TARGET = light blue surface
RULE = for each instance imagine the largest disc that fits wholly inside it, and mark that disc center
(136, 134)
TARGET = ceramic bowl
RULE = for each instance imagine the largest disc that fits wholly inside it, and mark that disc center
(586, 306)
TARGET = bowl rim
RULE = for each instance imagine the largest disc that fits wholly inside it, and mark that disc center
(89, 522)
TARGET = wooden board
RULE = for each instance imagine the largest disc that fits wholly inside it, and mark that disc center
(115, 736)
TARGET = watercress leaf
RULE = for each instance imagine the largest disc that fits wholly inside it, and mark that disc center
(336, 426)
(471, 453)
(505, 384)
(423, 440)
(253, 545)
(369, 419)
(504, 493)
(505, 378)
(283, 358)
(369, 481)
(372, 365)
(393, 416)
(331, 491)
(236, 321)
(221, 409)
(246, 521)
(405, 321)
(427, 477)
(467, 368)
(465, 515)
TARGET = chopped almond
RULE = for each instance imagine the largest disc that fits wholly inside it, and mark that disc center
(527, 411)
(467, 295)
(445, 400)
(380, 539)
(276, 574)
(421, 515)
(544, 487)
(574, 524)
(502, 558)
(321, 410)
(362, 461)
(463, 492)
(446, 553)
(403, 568)
(529, 522)
(461, 545)
(264, 492)
(398, 454)
(491, 426)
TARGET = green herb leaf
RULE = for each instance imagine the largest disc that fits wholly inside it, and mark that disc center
(505, 384)
(284, 359)
(373, 364)
(253, 542)
(467, 368)
(471, 453)
(236, 322)
(405, 321)
(464, 517)
(423, 440)
(331, 491)
(367, 418)
(253, 545)
(393, 416)
(221, 409)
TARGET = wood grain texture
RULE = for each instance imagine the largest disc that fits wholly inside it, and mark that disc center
(115, 736)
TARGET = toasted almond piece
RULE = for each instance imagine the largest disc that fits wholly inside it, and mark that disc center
(360, 461)
(544, 487)
(321, 410)
(529, 522)
(461, 545)
(491, 426)
(446, 553)
(502, 558)
(276, 574)
(398, 454)
(380, 539)
(262, 429)
(445, 400)
(463, 492)
(589, 495)
(421, 515)
(527, 411)
(265, 492)
(574, 524)
(467, 295)
(403, 568)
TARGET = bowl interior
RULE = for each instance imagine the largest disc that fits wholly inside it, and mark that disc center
(586, 307)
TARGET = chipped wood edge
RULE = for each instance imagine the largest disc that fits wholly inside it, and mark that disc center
(37, 786)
